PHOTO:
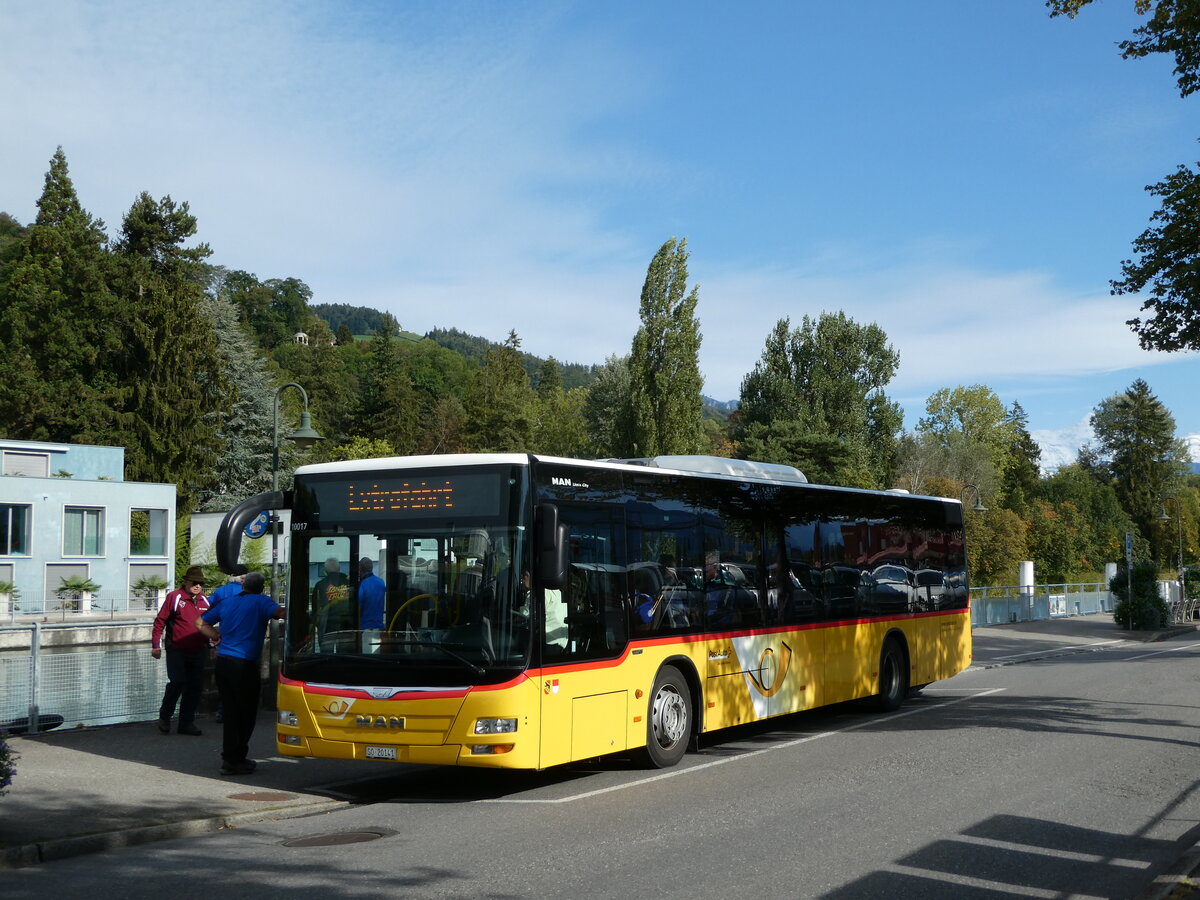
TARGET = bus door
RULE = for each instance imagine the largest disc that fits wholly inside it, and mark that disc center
(585, 628)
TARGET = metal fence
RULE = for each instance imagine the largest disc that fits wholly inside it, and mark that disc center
(1013, 603)
(102, 604)
(104, 683)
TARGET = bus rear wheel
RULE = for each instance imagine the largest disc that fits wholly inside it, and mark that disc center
(669, 719)
(893, 684)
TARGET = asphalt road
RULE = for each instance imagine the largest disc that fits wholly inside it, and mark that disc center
(1071, 774)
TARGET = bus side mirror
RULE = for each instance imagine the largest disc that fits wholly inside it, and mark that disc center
(550, 537)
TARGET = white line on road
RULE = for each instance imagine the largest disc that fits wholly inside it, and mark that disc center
(1056, 649)
(752, 753)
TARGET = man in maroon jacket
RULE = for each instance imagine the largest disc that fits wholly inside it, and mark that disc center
(175, 628)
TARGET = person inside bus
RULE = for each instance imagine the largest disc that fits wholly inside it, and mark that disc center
(372, 594)
(330, 596)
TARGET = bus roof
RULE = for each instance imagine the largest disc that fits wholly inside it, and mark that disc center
(706, 466)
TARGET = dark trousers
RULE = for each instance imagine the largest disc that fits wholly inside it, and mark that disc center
(238, 684)
(185, 683)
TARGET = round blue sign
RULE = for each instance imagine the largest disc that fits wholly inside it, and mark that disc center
(258, 527)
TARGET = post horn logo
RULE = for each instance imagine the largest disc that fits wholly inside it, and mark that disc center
(769, 678)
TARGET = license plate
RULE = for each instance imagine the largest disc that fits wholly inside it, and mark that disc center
(381, 753)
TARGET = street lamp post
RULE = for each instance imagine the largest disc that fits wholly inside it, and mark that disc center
(978, 507)
(303, 437)
(1179, 531)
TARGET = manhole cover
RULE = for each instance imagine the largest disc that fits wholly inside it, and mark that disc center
(263, 797)
(332, 840)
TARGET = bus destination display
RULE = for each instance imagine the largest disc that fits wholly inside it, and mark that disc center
(440, 496)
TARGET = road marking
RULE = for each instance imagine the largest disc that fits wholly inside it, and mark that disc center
(1161, 652)
(674, 773)
(1057, 649)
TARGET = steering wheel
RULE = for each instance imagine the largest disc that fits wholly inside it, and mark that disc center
(407, 603)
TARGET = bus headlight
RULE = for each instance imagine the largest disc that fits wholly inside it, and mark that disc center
(287, 717)
(495, 726)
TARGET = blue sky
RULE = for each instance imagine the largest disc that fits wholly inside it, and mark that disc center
(968, 175)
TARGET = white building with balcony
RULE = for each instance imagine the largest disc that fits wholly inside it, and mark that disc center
(66, 510)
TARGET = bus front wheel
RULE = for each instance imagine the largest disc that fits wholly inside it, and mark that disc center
(893, 684)
(669, 719)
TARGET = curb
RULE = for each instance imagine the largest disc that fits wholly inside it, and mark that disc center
(56, 849)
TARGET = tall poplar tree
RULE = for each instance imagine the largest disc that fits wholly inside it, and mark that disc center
(57, 340)
(664, 364)
(174, 389)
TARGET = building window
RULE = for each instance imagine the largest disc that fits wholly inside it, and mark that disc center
(83, 531)
(36, 465)
(147, 532)
(14, 529)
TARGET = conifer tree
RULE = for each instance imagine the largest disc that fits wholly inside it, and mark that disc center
(664, 364)
(499, 402)
(1137, 449)
(57, 339)
(389, 404)
(243, 467)
(175, 392)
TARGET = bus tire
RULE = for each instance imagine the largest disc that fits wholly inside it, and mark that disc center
(668, 719)
(893, 685)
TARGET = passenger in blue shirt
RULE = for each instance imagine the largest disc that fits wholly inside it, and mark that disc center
(243, 622)
(230, 589)
(372, 594)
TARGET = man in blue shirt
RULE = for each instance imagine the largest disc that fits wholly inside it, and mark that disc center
(243, 622)
(230, 589)
(372, 593)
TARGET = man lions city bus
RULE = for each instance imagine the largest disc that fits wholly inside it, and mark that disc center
(535, 610)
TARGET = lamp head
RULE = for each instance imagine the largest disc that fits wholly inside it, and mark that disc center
(305, 436)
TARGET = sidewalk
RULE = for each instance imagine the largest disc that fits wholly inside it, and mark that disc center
(92, 789)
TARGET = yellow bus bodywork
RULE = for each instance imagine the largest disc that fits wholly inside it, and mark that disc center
(588, 709)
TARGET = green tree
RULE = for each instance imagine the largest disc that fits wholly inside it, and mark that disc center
(827, 379)
(977, 431)
(1057, 541)
(389, 403)
(1168, 254)
(1168, 265)
(1105, 522)
(559, 425)
(1172, 27)
(1137, 450)
(59, 331)
(176, 392)
(1023, 463)
(609, 410)
(997, 541)
(243, 467)
(499, 402)
(664, 364)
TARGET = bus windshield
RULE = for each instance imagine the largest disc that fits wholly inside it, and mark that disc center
(415, 597)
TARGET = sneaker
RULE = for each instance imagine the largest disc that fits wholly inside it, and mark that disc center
(164, 726)
(190, 729)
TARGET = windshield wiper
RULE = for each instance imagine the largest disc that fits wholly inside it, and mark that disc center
(477, 669)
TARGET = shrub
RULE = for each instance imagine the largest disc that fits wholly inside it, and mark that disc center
(1145, 610)
(8, 764)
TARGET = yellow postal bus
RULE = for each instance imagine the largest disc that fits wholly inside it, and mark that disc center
(525, 611)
